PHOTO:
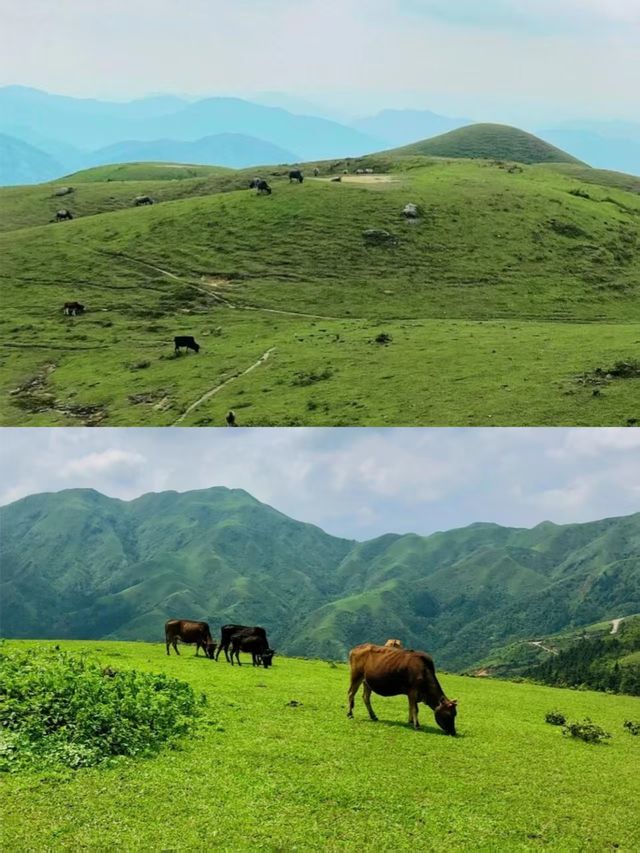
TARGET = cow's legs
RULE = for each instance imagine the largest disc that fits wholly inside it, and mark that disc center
(175, 646)
(356, 681)
(413, 710)
(366, 695)
(168, 642)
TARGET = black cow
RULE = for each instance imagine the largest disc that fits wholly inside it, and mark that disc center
(261, 186)
(295, 175)
(186, 341)
(255, 644)
(63, 214)
(227, 632)
(143, 199)
(231, 418)
(190, 632)
(73, 308)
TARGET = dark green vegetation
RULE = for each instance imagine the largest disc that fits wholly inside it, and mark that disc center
(63, 709)
(490, 142)
(586, 730)
(603, 656)
(77, 564)
(601, 661)
(516, 285)
(275, 765)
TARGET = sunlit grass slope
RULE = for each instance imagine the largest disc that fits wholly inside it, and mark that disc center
(510, 288)
(276, 765)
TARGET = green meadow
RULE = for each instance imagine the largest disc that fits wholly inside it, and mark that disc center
(512, 301)
(274, 764)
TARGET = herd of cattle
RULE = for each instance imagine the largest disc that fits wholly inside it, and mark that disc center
(388, 670)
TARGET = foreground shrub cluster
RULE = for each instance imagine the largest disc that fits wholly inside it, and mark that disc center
(64, 709)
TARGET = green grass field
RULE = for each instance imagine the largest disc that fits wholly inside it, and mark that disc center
(501, 303)
(264, 774)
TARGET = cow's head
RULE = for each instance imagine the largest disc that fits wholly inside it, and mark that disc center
(267, 658)
(196, 346)
(445, 715)
(211, 649)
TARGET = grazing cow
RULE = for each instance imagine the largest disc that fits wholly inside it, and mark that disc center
(394, 644)
(390, 672)
(186, 341)
(63, 191)
(141, 200)
(368, 171)
(255, 644)
(73, 308)
(190, 632)
(359, 171)
(63, 214)
(231, 418)
(227, 632)
(316, 172)
(336, 180)
(261, 186)
(296, 176)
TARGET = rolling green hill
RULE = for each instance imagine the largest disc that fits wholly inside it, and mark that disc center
(490, 142)
(275, 765)
(77, 564)
(511, 301)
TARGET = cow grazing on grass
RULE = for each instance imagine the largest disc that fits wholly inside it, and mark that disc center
(296, 176)
(240, 632)
(316, 172)
(71, 309)
(261, 186)
(186, 341)
(63, 214)
(231, 418)
(394, 644)
(189, 632)
(141, 200)
(390, 672)
(254, 644)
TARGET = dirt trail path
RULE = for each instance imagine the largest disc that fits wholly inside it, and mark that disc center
(615, 624)
(541, 645)
(217, 388)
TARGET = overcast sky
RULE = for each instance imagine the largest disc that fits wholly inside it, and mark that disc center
(356, 483)
(503, 59)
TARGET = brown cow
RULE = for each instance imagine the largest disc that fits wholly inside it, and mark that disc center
(394, 644)
(390, 672)
(189, 632)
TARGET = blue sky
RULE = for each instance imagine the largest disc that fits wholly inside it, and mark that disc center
(357, 483)
(511, 60)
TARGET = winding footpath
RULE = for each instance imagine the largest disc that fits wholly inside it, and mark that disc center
(217, 388)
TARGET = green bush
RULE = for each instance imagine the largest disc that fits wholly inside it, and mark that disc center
(555, 718)
(58, 708)
(586, 731)
(632, 726)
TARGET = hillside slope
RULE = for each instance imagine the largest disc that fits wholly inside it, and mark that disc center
(490, 142)
(21, 163)
(79, 564)
(499, 262)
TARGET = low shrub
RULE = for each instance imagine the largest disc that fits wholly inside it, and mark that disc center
(586, 730)
(632, 726)
(555, 718)
(65, 709)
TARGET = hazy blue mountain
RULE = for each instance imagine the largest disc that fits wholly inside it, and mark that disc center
(400, 127)
(79, 564)
(224, 149)
(21, 163)
(92, 124)
(601, 152)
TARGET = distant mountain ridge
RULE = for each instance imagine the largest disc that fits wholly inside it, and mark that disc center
(79, 564)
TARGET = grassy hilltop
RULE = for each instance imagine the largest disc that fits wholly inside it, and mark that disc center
(265, 773)
(513, 300)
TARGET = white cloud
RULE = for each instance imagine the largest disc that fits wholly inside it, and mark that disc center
(352, 482)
